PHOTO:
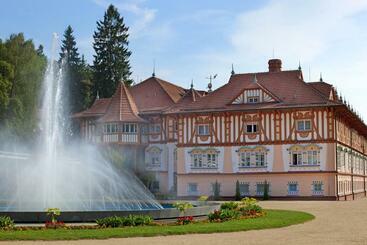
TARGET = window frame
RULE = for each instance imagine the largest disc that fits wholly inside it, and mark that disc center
(205, 129)
(254, 128)
(301, 125)
(253, 99)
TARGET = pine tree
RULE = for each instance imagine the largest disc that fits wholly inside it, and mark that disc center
(70, 59)
(111, 61)
(69, 51)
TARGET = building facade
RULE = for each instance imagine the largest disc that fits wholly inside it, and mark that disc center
(269, 127)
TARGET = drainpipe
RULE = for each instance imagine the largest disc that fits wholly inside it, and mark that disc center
(336, 160)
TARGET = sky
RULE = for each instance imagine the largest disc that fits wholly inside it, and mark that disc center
(191, 39)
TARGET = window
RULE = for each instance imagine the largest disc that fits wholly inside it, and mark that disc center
(293, 188)
(245, 160)
(304, 125)
(197, 160)
(203, 129)
(251, 128)
(155, 128)
(244, 189)
(129, 128)
(192, 188)
(204, 158)
(259, 188)
(305, 158)
(253, 99)
(305, 155)
(109, 128)
(260, 159)
(317, 187)
(252, 157)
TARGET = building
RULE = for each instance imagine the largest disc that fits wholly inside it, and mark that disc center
(300, 137)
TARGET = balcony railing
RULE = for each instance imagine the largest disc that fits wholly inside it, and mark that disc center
(119, 138)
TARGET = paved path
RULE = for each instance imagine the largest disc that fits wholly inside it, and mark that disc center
(335, 223)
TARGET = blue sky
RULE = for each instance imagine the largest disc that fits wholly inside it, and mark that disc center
(193, 39)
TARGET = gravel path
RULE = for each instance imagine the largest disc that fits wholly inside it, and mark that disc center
(343, 222)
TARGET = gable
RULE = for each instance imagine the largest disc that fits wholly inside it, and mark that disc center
(248, 95)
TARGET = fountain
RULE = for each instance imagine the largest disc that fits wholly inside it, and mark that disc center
(71, 177)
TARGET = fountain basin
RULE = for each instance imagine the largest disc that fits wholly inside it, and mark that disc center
(198, 210)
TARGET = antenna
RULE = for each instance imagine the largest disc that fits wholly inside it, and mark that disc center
(273, 53)
(192, 84)
(309, 73)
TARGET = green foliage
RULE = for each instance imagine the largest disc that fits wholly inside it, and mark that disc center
(131, 220)
(272, 219)
(249, 206)
(229, 205)
(228, 214)
(182, 206)
(111, 62)
(6, 76)
(203, 198)
(238, 193)
(21, 73)
(53, 213)
(6, 222)
(216, 190)
(266, 191)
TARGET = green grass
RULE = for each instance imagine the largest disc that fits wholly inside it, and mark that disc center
(272, 219)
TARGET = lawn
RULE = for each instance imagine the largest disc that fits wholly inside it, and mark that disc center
(272, 219)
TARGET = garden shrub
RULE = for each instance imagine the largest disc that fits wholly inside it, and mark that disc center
(214, 216)
(228, 214)
(249, 206)
(229, 205)
(6, 222)
(131, 220)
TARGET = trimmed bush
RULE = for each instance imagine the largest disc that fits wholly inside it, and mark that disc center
(131, 220)
(238, 193)
(6, 222)
(216, 190)
(266, 190)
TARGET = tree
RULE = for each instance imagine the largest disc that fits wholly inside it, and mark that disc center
(238, 193)
(111, 61)
(216, 190)
(6, 75)
(70, 60)
(28, 67)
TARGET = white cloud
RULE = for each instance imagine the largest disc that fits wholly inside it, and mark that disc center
(304, 29)
(143, 16)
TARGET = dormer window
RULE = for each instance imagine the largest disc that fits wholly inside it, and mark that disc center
(303, 125)
(251, 128)
(203, 129)
(253, 99)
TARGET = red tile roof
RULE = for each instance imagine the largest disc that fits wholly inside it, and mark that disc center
(98, 108)
(323, 87)
(122, 107)
(155, 94)
(286, 86)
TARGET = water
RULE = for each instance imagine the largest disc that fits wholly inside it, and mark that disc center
(72, 177)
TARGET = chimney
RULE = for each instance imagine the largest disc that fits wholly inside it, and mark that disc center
(275, 65)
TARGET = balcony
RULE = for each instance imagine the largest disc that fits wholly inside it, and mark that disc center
(120, 138)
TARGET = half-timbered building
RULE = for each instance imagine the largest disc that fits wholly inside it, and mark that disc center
(268, 127)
